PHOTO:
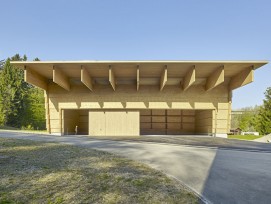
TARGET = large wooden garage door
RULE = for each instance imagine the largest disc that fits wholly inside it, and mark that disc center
(114, 123)
(167, 122)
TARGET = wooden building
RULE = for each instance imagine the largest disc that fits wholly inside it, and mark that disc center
(131, 98)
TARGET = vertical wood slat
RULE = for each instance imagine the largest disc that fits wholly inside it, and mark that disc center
(47, 108)
(137, 78)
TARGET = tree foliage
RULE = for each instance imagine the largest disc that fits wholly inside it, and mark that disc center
(264, 116)
(247, 120)
(21, 104)
(2, 62)
(13, 92)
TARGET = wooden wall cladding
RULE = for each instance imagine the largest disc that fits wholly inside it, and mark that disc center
(167, 122)
(114, 123)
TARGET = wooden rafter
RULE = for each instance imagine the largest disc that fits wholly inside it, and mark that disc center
(189, 78)
(86, 78)
(112, 78)
(215, 79)
(241, 79)
(163, 79)
(61, 79)
(32, 77)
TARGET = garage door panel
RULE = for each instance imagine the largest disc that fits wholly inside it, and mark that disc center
(158, 119)
(97, 123)
(115, 123)
(158, 125)
(132, 124)
(173, 112)
(145, 119)
(174, 126)
(175, 119)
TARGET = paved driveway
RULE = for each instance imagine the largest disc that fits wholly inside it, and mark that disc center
(220, 175)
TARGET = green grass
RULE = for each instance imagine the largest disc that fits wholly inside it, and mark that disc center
(244, 137)
(39, 172)
(9, 128)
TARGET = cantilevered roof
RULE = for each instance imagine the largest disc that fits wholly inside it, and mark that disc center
(183, 73)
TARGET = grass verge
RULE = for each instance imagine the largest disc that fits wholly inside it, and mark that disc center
(10, 129)
(39, 172)
(244, 137)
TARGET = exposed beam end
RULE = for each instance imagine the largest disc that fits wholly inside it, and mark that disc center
(61, 79)
(112, 79)
(163, 79)
(189, 79)
(86, 78)
(32, 77)
(215, 79)
(243, 78)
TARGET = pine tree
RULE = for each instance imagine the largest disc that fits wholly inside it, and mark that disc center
(2, 62)
(13, 91)
(264, 117)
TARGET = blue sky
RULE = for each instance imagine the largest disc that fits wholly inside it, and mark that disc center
(143, 30)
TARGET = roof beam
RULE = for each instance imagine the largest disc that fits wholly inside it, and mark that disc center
(32, 77)
(61, 79)
(215, 79)
(189, 78)
(163, 79)
(137, 78)
(86, 78)
(112, 78)
(243, 78)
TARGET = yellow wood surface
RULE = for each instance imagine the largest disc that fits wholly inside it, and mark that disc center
(112, 79)
(86, 78)
(215, 79)
(32, 77)
(114, 123)
(163, 79)
(189, 79)
(61, 79)
(243, 78)
(137, 79)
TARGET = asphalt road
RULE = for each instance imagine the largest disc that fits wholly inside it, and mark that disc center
(219, 175)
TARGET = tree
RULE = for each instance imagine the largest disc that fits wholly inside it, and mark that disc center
(246, 121)
(264, 116)
(12, 92)
(21, 104)
(2, 62)
(34, 113)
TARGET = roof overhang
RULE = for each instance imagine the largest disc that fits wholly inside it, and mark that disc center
(184, 73)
